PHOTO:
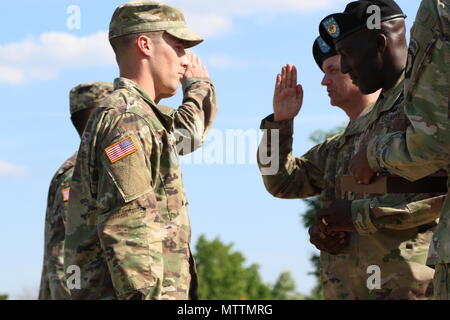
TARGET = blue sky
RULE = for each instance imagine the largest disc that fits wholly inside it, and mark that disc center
(41, 59)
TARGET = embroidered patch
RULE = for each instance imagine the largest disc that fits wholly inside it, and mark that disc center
(65, 194)
(324, 47)
(121, 149)
(332, 27)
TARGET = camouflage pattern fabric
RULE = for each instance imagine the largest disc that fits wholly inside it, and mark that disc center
(53, 284)
(394, 230)
(442, 282)
(147, 16)
(128, 227)
(53, 281)
(424, 146)
(88, 95)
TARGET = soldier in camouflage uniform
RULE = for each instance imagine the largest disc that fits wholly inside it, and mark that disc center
(390, 231)
(84, 99)
(128, 228)
(424, 146)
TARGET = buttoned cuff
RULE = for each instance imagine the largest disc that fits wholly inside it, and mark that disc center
(361, 216)
(286, 127)
(187, 82)
(372, 154)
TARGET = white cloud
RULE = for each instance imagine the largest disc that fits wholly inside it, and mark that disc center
(45, 57)
(209, 24)
(11, 75)
(215, 17)
(10, 170)
(253, 7)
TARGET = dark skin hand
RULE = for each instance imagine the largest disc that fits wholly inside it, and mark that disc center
(337, 217)
(360, 168)
(332, 244)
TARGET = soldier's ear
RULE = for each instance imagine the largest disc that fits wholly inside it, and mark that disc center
(382, 43)
(144, 45)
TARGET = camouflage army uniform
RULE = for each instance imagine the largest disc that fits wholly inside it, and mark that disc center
(393, 231)
(53, 283)
(129, 229)
(424, 146)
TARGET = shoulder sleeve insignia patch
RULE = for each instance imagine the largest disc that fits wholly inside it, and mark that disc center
(332, 27)
(65, 194)
(121, 149)
(324, 47)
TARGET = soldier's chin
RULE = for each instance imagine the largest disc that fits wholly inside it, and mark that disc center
(168, 94)
(333, 102)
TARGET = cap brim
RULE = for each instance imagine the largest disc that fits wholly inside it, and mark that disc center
(190, 37)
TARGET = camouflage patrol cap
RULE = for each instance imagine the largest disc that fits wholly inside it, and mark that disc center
(88, 95)
(146, 16)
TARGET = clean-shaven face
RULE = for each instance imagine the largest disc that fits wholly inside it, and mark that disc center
(339, 86)
(169, 63)
(359, 59)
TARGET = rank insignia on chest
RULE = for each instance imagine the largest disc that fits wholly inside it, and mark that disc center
(121, 149)
(65, 194)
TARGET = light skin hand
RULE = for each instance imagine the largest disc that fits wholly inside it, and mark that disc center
(195, 68)
(288, 95)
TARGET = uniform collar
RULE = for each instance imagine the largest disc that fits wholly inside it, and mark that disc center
(388, 98)
(369, 115)
(396, 89)
(165, 114)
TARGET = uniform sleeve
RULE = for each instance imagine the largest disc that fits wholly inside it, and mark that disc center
(44, 287)
(55, 277)
(195, 117)
(284, 175)
(128, 227)
(425, 146)
(400, 212)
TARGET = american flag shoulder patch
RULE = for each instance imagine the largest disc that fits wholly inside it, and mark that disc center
(121, 149)
(65, 194)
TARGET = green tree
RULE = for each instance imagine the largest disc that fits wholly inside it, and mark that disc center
(223, 276)
(313, 205)
(3, 297)
(284, 288)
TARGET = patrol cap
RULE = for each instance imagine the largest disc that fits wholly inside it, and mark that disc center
(322, 51)
(88, 95)
(355, 17)
(146, 16)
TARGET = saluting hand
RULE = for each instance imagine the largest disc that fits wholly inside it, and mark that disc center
(195, 68)
(288, 96)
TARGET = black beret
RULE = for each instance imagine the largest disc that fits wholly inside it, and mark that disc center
(355, 17)
(322, 51)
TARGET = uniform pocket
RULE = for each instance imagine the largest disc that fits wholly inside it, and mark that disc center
(125, 163)
(419, 56)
